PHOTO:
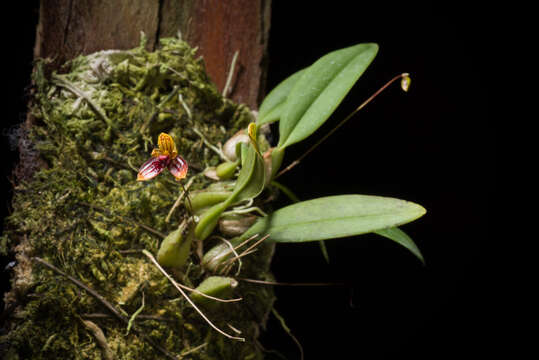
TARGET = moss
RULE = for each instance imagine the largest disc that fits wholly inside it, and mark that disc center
(84, 211)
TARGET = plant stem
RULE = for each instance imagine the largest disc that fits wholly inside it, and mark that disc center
(298, 160)
(180, 198)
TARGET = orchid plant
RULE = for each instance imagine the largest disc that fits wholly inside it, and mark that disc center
(301, 104)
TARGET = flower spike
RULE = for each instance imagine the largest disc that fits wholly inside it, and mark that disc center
(166, 156)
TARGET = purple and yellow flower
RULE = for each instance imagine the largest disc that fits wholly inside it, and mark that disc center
(164, 157)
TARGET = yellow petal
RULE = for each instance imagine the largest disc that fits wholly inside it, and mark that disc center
(156, 152)
(167, 146)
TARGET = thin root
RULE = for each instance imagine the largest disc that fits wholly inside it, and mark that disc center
(237, 331)
(209, 145)
(152, 259)
(195, 349)
(288, 331)
(233, 251)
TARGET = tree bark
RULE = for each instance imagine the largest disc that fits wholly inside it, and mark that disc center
(68, 28)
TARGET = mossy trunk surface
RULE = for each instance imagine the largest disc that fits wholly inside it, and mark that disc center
(69, 28)
(79, 207)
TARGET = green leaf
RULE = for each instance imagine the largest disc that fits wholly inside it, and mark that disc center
(226, 170)
(320, 90)
(209, 219)
(271, 108)
(402, 238)
(295, 199)
(204, 199)
(249, 184)
(277, 156)
(335, 217)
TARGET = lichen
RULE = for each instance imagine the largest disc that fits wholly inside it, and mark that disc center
(85, 212)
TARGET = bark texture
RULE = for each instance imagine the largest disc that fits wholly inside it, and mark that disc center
(68, 28)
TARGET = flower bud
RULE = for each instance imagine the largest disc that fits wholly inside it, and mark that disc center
(405, 82)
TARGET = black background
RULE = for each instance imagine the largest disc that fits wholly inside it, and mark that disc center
(433, 145)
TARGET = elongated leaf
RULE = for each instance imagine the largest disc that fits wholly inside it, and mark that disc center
(335, 217)
(208, 220)
(204, 199)
(320, 89)
(272, 115)
(252, 182)
(402, 238)
(295, 199)
(249, 184)
(271, 108)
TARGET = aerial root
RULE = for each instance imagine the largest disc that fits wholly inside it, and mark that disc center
(100, 338)
(251, 249)
(152, 259)
(288, 331)
(236, 256)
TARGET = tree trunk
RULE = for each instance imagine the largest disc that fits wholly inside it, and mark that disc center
(69, 28)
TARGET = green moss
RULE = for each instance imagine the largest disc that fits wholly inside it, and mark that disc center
(94, 127)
